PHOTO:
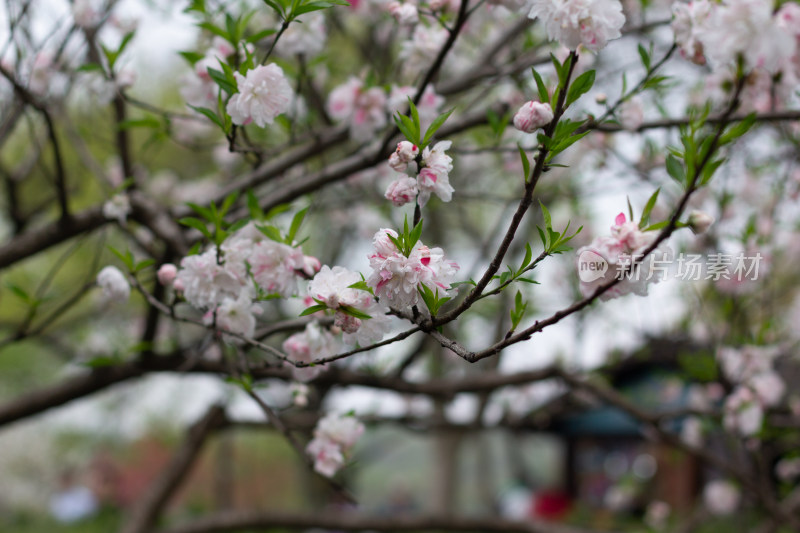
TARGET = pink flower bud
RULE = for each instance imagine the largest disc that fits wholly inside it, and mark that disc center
(406, 152)
(166, 274)
(699, 222)
(532, 116)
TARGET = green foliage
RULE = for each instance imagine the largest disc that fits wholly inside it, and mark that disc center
(563, 137)
(553, 241)
(432, 300)
(518, 312)
(411, 128)
(580, 86)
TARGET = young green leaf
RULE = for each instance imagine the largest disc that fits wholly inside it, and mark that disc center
(580, 86)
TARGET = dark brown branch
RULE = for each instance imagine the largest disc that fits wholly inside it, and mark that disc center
(144, 514)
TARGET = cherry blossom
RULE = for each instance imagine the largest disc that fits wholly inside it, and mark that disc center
(688, 25)
(236, 316)
(721, 497)
(312, 343)
(334, 438)
(434, 178)
(591, 23)
(747, 28)
(402, 191)
(263, 94)
(117, 208)
(626, 243)
(114, 284)
(396, 278)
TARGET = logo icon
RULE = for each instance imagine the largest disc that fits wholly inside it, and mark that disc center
(591, 266)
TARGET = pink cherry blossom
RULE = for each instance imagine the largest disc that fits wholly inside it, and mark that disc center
(264, 93)
(312, 343)
(401, 191)
(591, 23)
(721, 497)
(114, 284)
(688, 24)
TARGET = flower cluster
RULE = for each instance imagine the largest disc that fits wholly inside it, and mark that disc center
(312, 343)
(333, 288)
(625, 245)
(591, 23)
(758, 386)
(766, 40)
(367, 109)
(263, 94)
(432, 178)
(334, 438)
(396, 279)
(226, 283)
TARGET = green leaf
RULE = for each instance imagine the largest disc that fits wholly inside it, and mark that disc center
(645, 57)
(297, 220)
(414, 236)
(228, 203)
(222, 80)
(272, 232)
(141, 265)
(19, 292)
(313, 309)
(544, 96)
(414, 118)
(149, 122)
(238, 225)
(580, 86)
(352, 311)
(675, 169)
(191, 57)
(91, 67)
(526, 164)
(126, 258)
(438, 123)
(214, 29)
(210, 115)
(528, 256)
(196, 224)
(651, 203)
(361, 286)
(260, 35)
(256, 213)
(406, 127)
(518, 312)
(548, 222)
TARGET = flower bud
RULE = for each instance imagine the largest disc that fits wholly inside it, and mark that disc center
(406, 152)
(699, 222)
(402, 191)
(166, 274)
(532, 116)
